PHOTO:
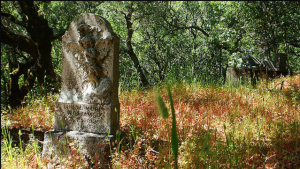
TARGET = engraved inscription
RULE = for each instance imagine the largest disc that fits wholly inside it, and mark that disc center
(81, 117)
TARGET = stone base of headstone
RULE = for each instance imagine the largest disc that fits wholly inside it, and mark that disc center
(60, 146)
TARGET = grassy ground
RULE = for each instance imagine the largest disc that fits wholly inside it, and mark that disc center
(217, 127)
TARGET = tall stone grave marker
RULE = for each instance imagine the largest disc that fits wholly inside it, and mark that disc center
(87, 111)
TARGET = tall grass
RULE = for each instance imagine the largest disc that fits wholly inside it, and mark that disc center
(17, 157)
(165, 114)
(251, 116)
(217, 127)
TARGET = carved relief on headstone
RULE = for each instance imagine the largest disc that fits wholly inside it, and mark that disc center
(88, 53)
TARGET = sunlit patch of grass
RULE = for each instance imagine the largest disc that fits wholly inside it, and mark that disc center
(217, 127)
(38, 114)
(251, 117)
(27, 156)
(17, 157)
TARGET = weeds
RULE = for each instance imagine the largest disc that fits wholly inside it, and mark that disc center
(17, 157)
(38, 113)
(217, 127)
(7, 142)
(165, 115)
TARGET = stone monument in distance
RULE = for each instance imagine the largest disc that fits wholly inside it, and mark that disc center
(87, 110)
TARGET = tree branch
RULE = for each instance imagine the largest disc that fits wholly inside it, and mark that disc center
(186, 27)
(295, 44)
(28, 9)
(13, 19)
(18, 41)
(23, 67)
(199, 29)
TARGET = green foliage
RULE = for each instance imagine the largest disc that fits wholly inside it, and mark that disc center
(165, 115)
(162, 107)
(179, 41)
(174, 138)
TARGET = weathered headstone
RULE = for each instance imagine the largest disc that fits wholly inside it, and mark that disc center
(281, 61)
(87, 111)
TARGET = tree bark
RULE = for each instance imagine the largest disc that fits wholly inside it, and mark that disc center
(144, 82)
(37, 45)
(42, 34)
(19, 42)
(17, 95)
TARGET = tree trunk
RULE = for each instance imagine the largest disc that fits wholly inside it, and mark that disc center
(38, 46)
(4, 90)
(17, 95)
(144, 81)
(42, 34)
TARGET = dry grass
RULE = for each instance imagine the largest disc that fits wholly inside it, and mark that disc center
(262, 127)
(38, 114)
(218, 127)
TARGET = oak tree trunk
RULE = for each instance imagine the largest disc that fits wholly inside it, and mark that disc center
(37, 45)
(144, 81)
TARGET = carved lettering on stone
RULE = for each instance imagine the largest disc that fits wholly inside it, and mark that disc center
(82, 117)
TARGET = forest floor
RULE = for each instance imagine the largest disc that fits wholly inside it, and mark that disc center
(217, 127)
